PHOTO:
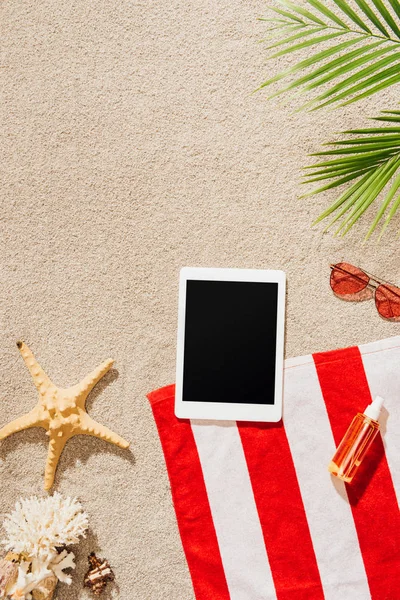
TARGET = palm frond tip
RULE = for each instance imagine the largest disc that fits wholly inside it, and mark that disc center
(372, 35)
(370, 158)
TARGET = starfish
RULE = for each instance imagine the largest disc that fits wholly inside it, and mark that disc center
(61, 412)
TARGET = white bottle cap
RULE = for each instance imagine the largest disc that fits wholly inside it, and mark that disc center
(373, 410)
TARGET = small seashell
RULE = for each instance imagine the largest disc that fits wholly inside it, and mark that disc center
(99, 574)
(45, 591)
(8, 575)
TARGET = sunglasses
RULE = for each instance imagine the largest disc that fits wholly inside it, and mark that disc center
(351, 283)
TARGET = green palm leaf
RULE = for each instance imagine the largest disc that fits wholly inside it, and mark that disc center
(370, 158)
(372, 34)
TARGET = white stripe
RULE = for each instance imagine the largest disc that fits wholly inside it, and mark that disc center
(325, 499)
(234, 511)
(382, 367)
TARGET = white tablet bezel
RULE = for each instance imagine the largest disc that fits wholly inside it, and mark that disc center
(222, 410)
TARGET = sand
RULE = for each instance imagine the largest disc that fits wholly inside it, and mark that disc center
(131, 145)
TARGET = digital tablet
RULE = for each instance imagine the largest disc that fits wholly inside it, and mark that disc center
(230, 344)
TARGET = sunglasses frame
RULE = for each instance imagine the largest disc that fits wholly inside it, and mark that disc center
(371, 278)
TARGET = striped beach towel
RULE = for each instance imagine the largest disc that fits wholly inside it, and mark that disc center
(259, 515)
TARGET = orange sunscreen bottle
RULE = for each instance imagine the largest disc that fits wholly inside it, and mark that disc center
(357, 439)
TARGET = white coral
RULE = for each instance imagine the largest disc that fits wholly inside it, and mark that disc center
(36, 528)
(62, 561)
(27, 580)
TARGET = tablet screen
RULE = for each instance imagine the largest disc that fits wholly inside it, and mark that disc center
(230, 342)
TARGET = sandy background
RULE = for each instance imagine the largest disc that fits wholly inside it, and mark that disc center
(131, 145)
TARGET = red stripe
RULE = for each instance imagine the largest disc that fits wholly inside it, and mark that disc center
(190, 498)
(281, 511)
(371, 494)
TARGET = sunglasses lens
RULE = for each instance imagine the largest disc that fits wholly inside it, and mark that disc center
(387, 301)
(346, 279)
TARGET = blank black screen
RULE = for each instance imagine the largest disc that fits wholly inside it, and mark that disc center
(230, 342)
